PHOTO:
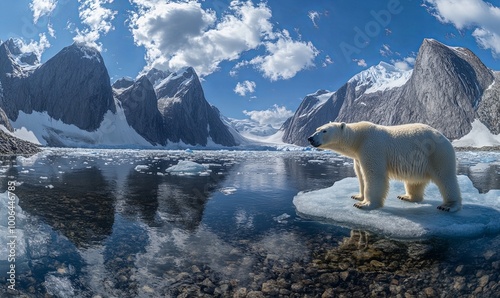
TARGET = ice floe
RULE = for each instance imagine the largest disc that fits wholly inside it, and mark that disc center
(397, 219)
(186, 167)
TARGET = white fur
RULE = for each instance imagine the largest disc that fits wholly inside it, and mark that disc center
(414, 153)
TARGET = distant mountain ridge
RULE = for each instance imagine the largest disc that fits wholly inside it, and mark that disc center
(69, 101)
(448, 88)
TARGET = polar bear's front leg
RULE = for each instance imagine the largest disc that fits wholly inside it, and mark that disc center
(359, 174)
(376, 184)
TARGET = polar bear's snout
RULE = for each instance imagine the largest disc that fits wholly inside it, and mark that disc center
(313, 140)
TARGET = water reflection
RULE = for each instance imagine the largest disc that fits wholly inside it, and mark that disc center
(99, 225)
(83, 213)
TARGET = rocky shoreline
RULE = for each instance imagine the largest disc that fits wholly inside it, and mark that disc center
(360, 266)
(10, 145)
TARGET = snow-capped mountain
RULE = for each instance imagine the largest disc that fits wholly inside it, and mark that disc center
(448, 89)
(69, 101)
(381, 77)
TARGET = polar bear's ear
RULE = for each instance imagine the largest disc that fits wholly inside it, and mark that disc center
(342, 125)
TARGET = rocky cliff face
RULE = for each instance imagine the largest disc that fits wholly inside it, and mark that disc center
(140, 105)
(488, 109)
(187, 115)
(73, 86)
(447, 89)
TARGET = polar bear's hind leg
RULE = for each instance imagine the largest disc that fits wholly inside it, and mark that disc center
(414, 192)
(450, 192)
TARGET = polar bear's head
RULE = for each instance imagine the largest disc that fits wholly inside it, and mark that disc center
(328, 135)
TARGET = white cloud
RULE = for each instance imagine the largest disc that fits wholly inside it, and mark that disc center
(179, 34)
(285, 58)
(36, 47)
(405, 64)
(328, 61)
(242, 88)
(479, 15)
(98, 20)
(42, 8)
(386, 50)
(275, 116)
(360, 62)
(314, 16)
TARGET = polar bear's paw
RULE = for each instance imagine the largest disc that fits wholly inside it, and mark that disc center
(406, 198)
(365, 205)
(450, 207)
(409, 198)
(357, 197)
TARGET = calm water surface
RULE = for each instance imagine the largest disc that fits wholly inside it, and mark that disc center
(114, 223)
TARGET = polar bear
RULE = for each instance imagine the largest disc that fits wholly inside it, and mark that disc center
(414, 153)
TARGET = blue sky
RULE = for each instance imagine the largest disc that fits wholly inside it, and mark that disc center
(256, 59)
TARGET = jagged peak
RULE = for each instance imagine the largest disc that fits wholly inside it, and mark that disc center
(123, 83)
(380, 77)
(86, 51)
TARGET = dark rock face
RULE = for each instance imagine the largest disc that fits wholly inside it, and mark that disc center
(82, 96)
(447, 89)
(187, 116)
(488, 109)
(324, 105)
(10, 145)
(139, 102)
(72, 87)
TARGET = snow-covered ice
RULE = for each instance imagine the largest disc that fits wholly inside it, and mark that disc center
(479, 136)
(186, 167)
(228, 190)
(402, 220)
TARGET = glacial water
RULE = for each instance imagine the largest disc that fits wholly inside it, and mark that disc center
(138, 223)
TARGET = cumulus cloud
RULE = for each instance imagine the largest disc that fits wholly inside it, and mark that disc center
(98, 20)
(42, 8)
(242, 88)
(36, 47)
(183, 33)
(481, 16)
(405, 64)
(286, 57)
(274, 116)
(178, 34)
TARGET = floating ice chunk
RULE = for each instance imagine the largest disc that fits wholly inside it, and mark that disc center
(317, 161)
(50, 186)
(480, 213)
(188, 151)
(141, 168)
(228, 190)
(282, 218)
(186, 167)
(59, 286)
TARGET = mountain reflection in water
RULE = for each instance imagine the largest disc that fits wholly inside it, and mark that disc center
(114, 223)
